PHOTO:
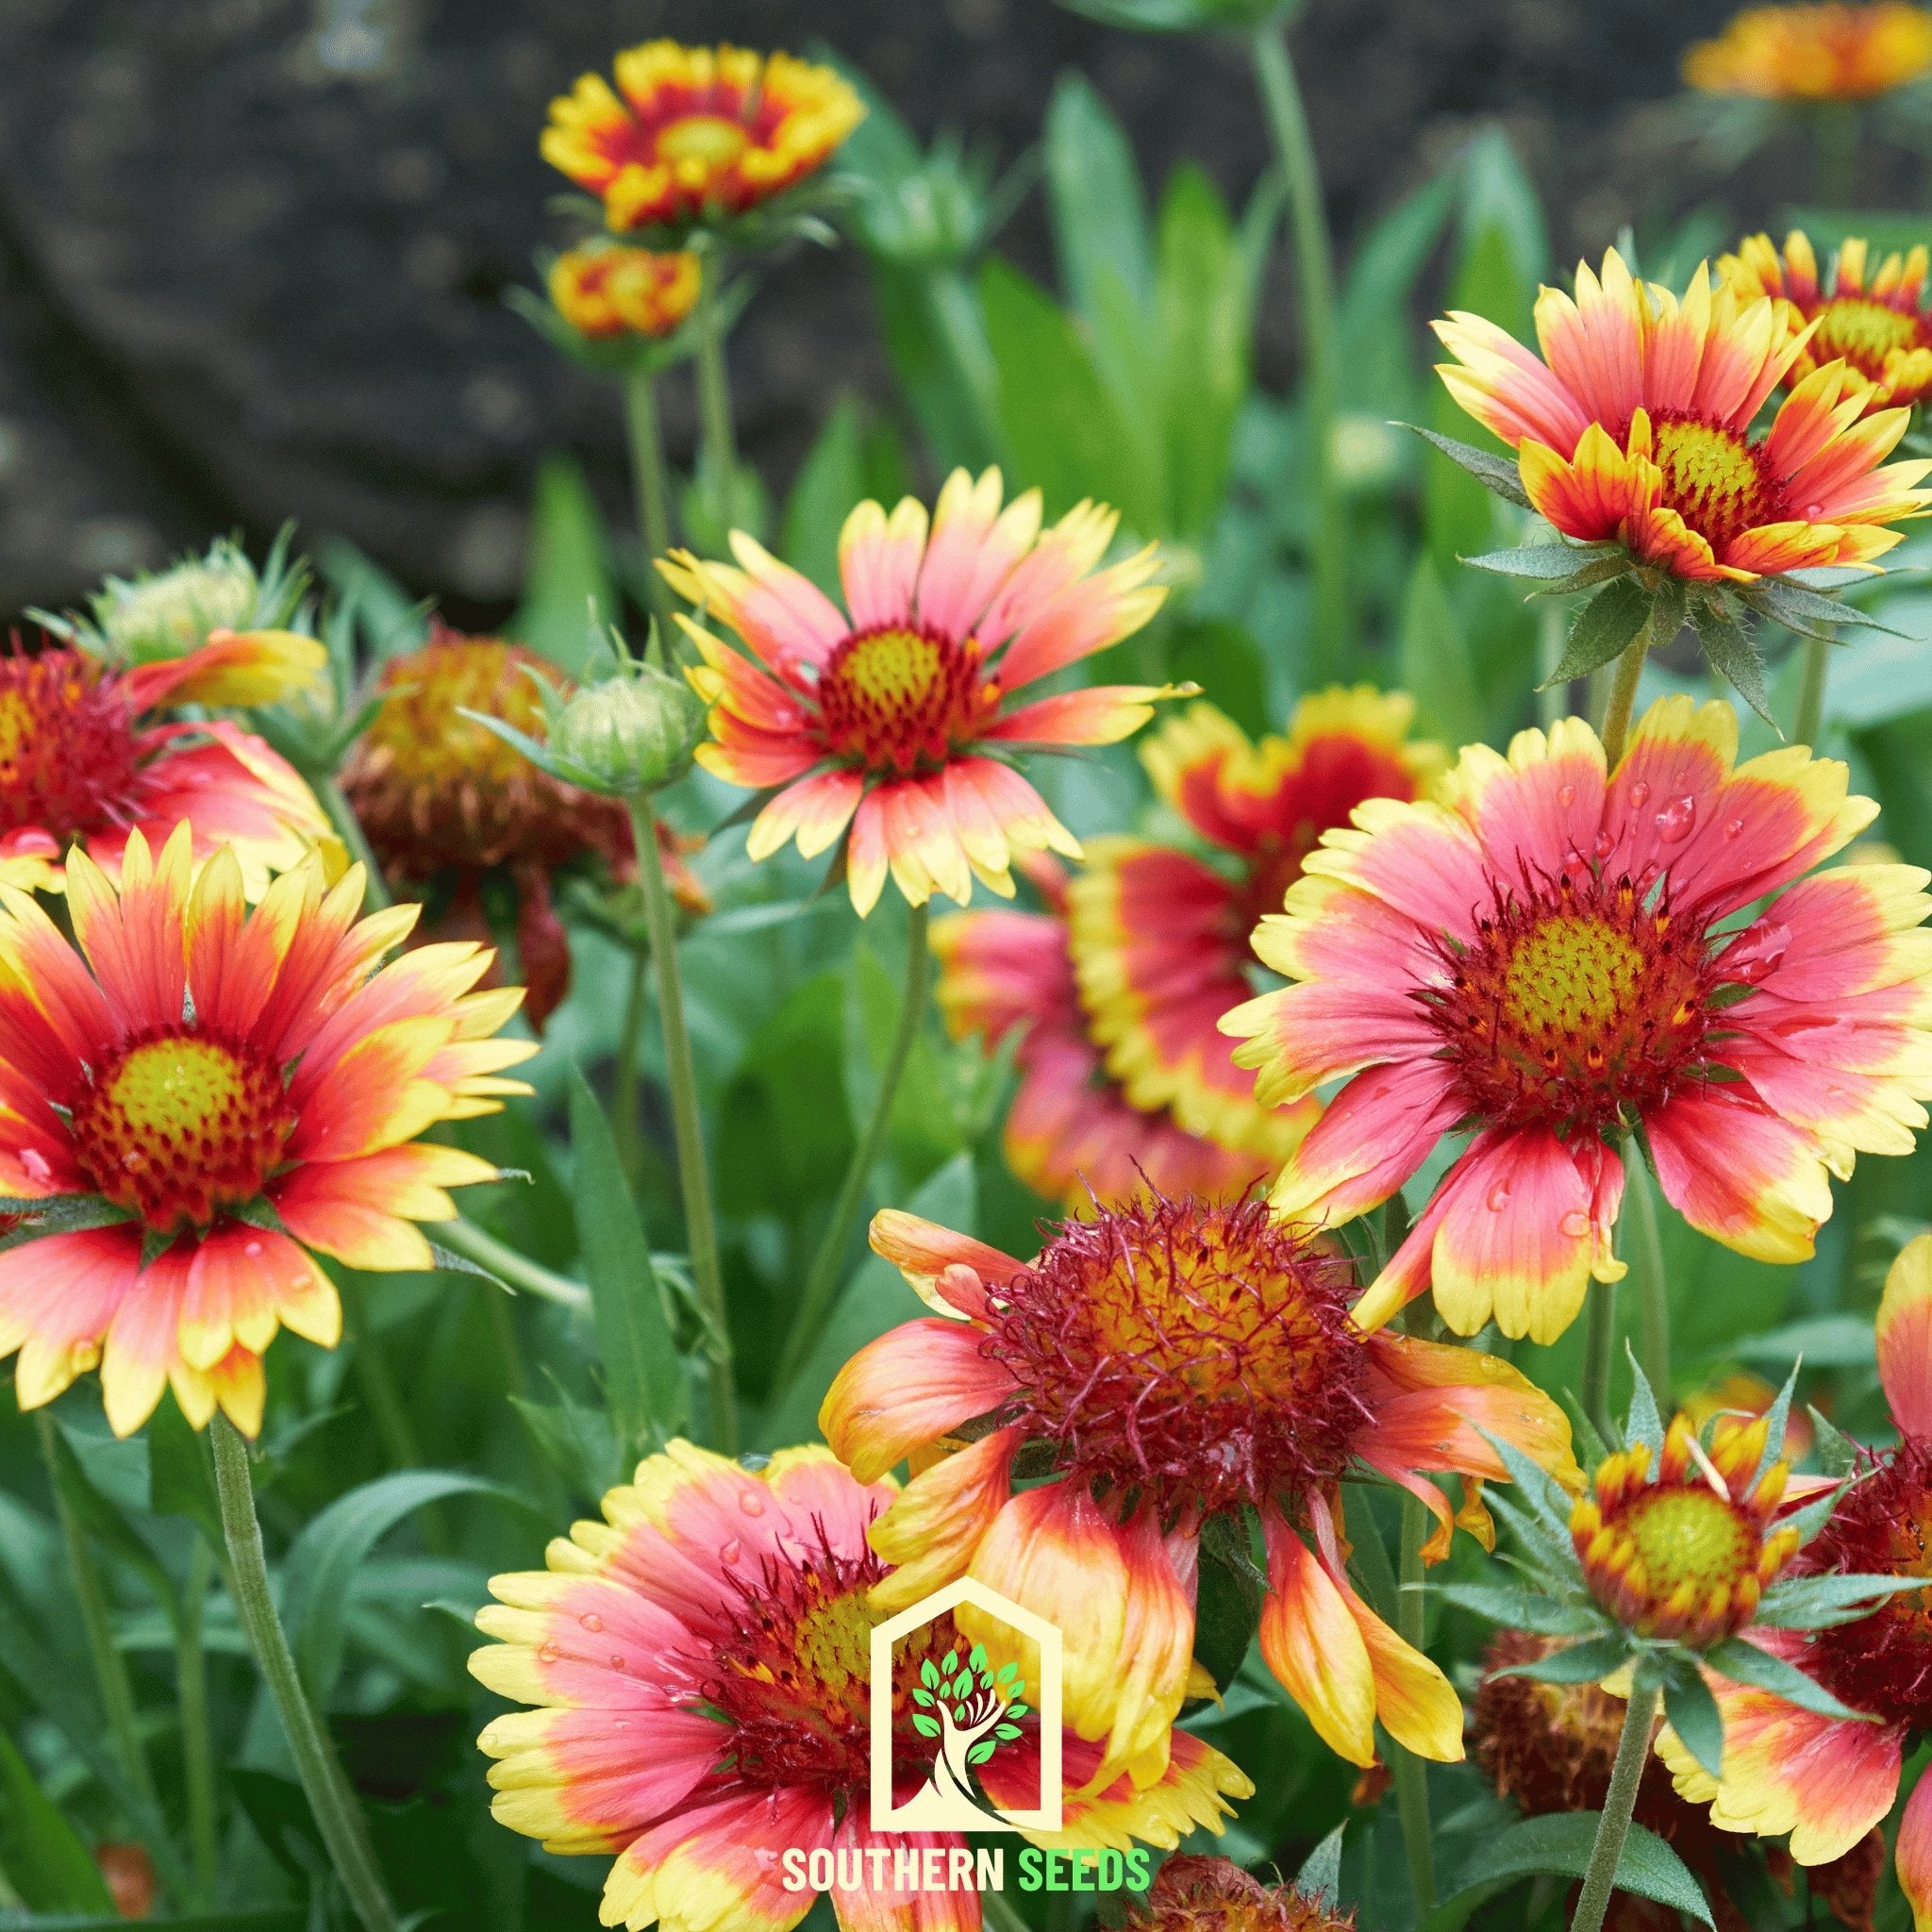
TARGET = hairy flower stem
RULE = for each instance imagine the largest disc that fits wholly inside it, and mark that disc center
(718, 440)
(815, 1303)
(1614, 1827)
(648, 484)
(1408, 1771)
(197, 1746)
(1809, 719)
(1314, 267)
(376, 893)
(1599, 1342)
(1615, 728)
(1647, 1255)
(91, 1596)
(498, 1259)
(338, 1817)
(626, 1126)
(694, 1173)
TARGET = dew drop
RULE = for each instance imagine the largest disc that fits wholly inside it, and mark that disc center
(1674, 822)
(1603, 845)
(251, 1249)
(1574, 1224)
(34, 1164)
(1813, 513)
(1733, 830)
(617, 1663)
(591, 1620)
(1566, 795)
(729, 1553)
(1639, 795)
(1499, 1195)
(750, 1502)
(548, 1651)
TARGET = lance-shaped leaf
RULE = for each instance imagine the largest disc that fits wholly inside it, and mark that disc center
(1495, 473)
(1319, 1881)
(1534, 1611)
(1643, 1424)
(1792, 605)
(1814, 1603)
(1693, 1714)
(1588, 1663)
(1731, 652)
(1602, 630)
(1549, 563)
(1563, 1843)
(1744, 1663)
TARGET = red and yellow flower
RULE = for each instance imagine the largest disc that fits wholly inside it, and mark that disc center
(603, 293)
(1548, 959)
(85, 758)
(699, 1664)
(445, 802)
(1197, 1894)
(237, 1091)
(1829, 53)
(1126, 1079)
(1636, 427)
(890, 716)
(1874, 322)
(690, 133)
(1171, 1363)
(1828, 1780)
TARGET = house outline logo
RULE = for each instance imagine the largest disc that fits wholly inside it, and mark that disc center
(932, 1808)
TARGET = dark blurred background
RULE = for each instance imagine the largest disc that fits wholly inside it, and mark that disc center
(252, 252)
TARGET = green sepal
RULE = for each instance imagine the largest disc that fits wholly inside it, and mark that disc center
(1744, 1663)
(1602, 630)
(1588, 1662)
(1731, 652)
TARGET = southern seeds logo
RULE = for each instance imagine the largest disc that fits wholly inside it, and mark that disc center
(949, 1710)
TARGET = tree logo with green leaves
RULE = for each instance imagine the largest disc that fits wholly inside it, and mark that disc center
(972, 1710)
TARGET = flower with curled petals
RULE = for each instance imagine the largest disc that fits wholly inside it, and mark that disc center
(1173, 1365)
(1875, 322)
(229, 1093)
(699, 1666)
(1116, 990)
(1195, 1894)
(890, 717)
(1550, 959)
(1829, 1781)
(1834, 51)
(85, 757)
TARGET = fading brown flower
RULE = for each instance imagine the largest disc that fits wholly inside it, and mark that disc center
(1194, 1894)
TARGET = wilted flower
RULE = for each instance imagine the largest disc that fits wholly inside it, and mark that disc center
(1812, 54)
(1197, 1894)
(605, 292)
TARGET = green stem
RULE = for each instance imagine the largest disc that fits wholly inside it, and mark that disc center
(1810, 721)
(1409, 1772)
(1288, 123)
(1653, 1293)
(111, 1668)
(197, 1747)
(1835, 154)
(999, 1915)
(400, 1445)
(815, 1303)
(627, 1124)
(1551, 700)
(718, 440)
(1614, 1827)
(339, 1818)
(1599, 1342)
(693, 1175)
(648, 484)
(1615, 728)
(497, 1257)
(375, 893)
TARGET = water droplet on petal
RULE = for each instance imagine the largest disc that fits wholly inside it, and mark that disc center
(548, 1652)
(1639, 795)
(1603, 845)
(729, 1553)
(591, 1620)
(1566, 795)
(1499, 1195)
(617, 1663)
(252, 1249)
(750, 1502)
(1813, 513)
(1674, 822)
(1733, 830)
(1574, 1224)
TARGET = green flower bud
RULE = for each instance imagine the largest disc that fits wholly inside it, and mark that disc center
(168, 613)
(630, 734)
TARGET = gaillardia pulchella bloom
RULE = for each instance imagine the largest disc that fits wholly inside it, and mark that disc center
(1873, 321)
(1118, 987)
(1815, 53)
(86, 758)
(1171, 1365)
(608, 293)
(890, 717)
(693, 133)
(699, 1664)
(1830, 1780)
(232, 1091)
(1195, 1894)
(1636, 428)
(1550, 959)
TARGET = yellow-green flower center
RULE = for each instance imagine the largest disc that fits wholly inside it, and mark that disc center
(709, 140)
(897, 699)
(1863, 332)
(1712, 479)
(1689, 1535)
(177, 1127)
(1572, 974)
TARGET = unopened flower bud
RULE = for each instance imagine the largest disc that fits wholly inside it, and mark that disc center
(168, 613)
(632, 733)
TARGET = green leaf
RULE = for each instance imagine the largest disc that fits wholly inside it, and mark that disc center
(1433, 661)
(830, 481)
(1523, 1610)
(1588, 1662)
(317, 1574)
(1094, 198)
(1787, 601)
(1778, 1417)
(929, 1673)
(1561, 1843)
(1826, 1342)
(40, 1851)
(1732, 652)
(1744, 1663)
(1374, 317)
(1320, 1878)
(1642, 1424)
(925, 1726)
(644, 1380)
(1602, 630)
(1694, 1716)
(568, 568)
(1838, 1454)
(1494, 473)
(1544, 562)
(1229, 1605)
(1813, 1603)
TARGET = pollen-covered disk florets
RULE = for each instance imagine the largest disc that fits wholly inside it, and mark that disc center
(1188, 1353)
(1685, 1554)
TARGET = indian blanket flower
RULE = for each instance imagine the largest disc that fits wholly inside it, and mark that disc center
(1552, 958)
(1118, 987)
(1815, 54)
(1829, 1781)
(699, 1664)
(1636, 428)
(1195, 1894)
(890, 716)
(693, 133)
(1874, 322)
(1171, 1365)
(87, 758)
(605, 293)
(1548, 1747)
(447, 804)
(233, 1092)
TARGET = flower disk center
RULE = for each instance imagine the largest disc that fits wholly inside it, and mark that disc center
(701, 143)
(1863, 332)
(177, 1127)
(1199, 1354)
(899, 699)
(69, 760)
(1575, 1007)
(1714, 479)
(1689, 1537)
